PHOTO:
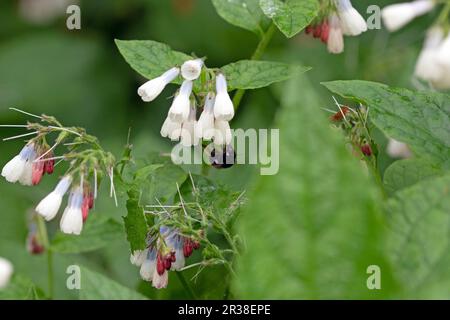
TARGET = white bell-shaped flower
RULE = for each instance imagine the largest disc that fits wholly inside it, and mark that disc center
(188, 133)
(14, 170)
(205, 124)
(396, 16)
(153, 88)
(148, 267)
(6, 272)
(160, 281)
(335, 43)
(138, 257)
(49, 206)
(171, 129)
(179, 111)
(72, 219)
(427, 67)
(191, 69)
(352, 22)
(222, 132)
(397, 149)
(223, 106)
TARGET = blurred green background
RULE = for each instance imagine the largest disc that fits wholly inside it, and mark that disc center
(80, 77)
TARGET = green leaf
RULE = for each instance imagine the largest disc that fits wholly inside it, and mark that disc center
(150, 58)
(95, 286)
(245, 14)
(419, 118)
(98, 232)
(291, 16)
(135, 222)
(419, 238)
(312, 230)
(21, 288)
(248, 74)
(405, 173)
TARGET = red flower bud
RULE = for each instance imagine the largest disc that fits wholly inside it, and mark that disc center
(196, 245)
(366, 150)
(317, 31)
(85, 208)
(309, 29)
(325, 32)
(33, 245)
(49, 166)
(338, 116)
(160, 266)
(187, 248)
(37, 172)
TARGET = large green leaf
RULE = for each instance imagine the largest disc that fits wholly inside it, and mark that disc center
(291, 16)
(98, 232)
(150, 58)
(405, 173)
(419, 238)
(135, 222)
(95, 286)
(245, 14)
(419, 118)
(247, 74)
(312, 230)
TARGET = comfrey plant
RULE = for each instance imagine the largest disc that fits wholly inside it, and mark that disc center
(336, 18)
(433, 64)
(87, 164)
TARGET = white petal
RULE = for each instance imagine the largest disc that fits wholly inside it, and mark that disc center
(49, 206)
(191, 69)
(396, 16)
(138, 257)
(222, 133)
(352, 22)
(397, 149)
(6, 272)
(179, 111)
(72, 221)
(160, 281)
(13, 170)
(335, 42)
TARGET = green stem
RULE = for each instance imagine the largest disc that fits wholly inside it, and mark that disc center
(186, 286)
(443, 16)
(43, 235)
(259, 51)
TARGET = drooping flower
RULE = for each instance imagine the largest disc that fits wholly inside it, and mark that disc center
(150, 90)
(191, 69)
(6, 272)
(335, 41)
(205, 124)
(443, 61)
(72, 219)
(396, 16)
(223, 106)
(427, 67)
(188, 134)
(171, 129)
(49, 206)
(222, 133)
(352, 22)
(138, 257)
(397, 149)
(20, 167)
(179, 111)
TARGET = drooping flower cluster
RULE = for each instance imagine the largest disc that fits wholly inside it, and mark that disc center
(338, 18)
(87, 161)
(166, 251)
(181, 123)
(433, 64)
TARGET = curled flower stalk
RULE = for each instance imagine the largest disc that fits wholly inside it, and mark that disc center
(86, 164)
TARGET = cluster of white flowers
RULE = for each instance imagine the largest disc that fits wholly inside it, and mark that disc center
(343, 20)
(433, 64)
(86, 162)
(164, 253)
(181, 123)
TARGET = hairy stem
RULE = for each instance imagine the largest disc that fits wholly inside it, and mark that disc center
(259, 51)
(43, 235)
